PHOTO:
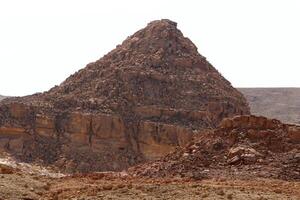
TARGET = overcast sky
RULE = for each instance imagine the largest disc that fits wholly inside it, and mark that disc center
(253, 43)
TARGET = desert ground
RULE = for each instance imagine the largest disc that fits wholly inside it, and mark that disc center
(36, 185)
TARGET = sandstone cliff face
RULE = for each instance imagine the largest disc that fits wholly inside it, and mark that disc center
(141, 100)
(77, 141)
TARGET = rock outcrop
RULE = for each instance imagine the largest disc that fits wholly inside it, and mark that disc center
(242, 146)
(140, 101)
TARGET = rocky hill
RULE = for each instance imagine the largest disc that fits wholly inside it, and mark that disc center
(152, 93)
(279, 103)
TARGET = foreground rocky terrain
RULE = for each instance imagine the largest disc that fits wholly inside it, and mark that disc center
(247, 157)
(112, 186)
(279, 103)
(244, 146)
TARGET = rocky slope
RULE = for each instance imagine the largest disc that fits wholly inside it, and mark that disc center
(152, 93)
(279, 103)
(242, 147)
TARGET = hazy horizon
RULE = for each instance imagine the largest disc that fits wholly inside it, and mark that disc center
(251, 43)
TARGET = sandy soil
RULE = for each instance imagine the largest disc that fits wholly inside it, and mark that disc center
(17, 185)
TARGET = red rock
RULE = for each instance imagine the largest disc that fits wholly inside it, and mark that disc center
(294, 134)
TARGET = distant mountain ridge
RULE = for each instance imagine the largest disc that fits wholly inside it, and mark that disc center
(279, 103)
(2, 97)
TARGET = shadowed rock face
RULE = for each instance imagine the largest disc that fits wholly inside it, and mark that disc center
(138, 102)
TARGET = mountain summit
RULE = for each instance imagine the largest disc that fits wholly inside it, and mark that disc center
(155, 69)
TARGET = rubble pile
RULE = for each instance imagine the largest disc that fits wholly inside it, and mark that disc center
(242, 146)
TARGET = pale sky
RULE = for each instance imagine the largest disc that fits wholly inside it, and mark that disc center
(253, 43)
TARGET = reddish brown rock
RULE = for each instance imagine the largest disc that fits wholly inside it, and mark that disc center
(294, 134)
